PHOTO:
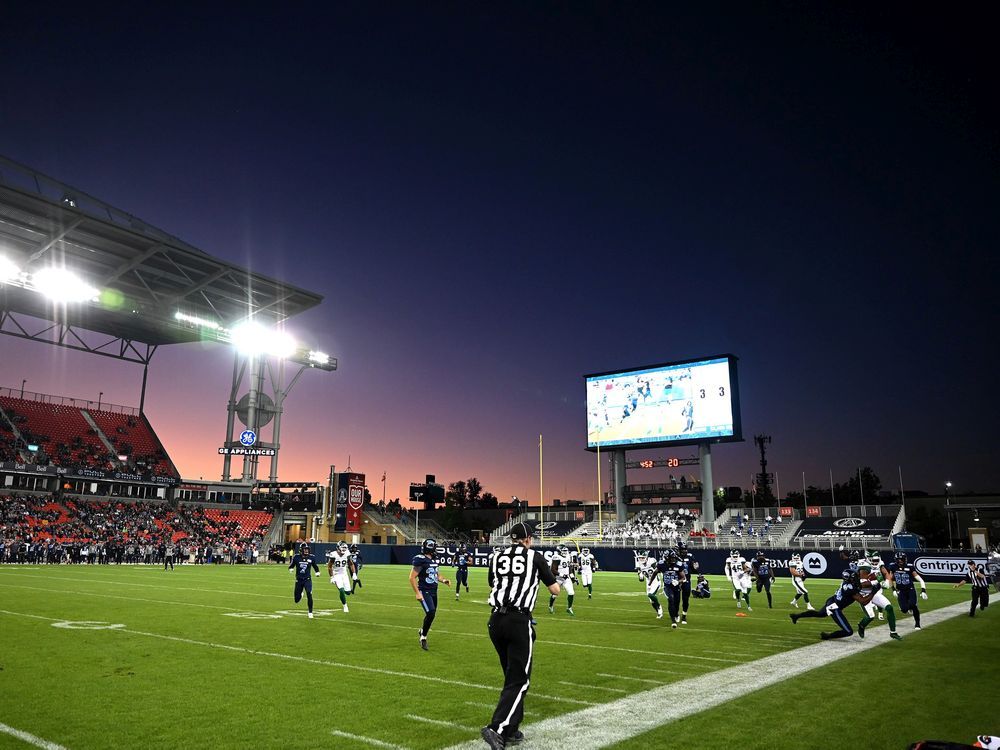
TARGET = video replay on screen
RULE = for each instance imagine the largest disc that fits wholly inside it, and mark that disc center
(671, 404)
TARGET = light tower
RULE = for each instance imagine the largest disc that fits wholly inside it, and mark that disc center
(763, 479)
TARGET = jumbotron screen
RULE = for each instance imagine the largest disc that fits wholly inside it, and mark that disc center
(681, 402)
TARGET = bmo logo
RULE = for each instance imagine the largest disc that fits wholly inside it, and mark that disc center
(357, 497)
(814, 563)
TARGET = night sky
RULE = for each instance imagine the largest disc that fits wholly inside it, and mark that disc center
(496, 200)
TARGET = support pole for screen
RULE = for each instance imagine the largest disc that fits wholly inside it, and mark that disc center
(707, 493)
(619, 472)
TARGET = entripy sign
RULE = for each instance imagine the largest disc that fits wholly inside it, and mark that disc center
(945, 566)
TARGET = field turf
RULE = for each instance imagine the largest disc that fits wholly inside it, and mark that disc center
(206, 658)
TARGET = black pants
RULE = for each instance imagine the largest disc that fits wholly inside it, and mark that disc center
(513, 637)
(980, 596)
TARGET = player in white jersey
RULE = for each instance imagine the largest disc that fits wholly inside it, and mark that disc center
(738, 573)
(340, 569)
(563, 570)
(870, 588)
(798, 571)
(588, 564)
(647, 567)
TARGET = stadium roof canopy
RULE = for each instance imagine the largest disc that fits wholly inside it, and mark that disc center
(143, 276)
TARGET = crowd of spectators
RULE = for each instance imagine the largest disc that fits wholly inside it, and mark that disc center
(659, 526)
(744, 527)
(39, 529)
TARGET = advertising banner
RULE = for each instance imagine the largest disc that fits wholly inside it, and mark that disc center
(355, 501)
(77, 472)
(826, 564)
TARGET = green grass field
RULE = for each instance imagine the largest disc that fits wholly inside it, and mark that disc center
(183, 671)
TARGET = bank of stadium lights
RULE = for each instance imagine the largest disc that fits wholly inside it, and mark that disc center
(196, 321)
(60, 285)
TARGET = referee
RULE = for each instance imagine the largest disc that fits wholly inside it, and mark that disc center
(976, 575)
(514, 575)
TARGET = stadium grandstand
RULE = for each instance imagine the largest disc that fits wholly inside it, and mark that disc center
(124, 289)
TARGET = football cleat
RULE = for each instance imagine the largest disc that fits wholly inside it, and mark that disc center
(916, 627)
(552, 610)
(749, 608)
(739, 604)
(795, 603)
(810, 607)
(570, 612)
(659, 614)
(494, 740)
(895, 636)
(861, 631)
(346, 609)
(423, 641)
(310, 615)
(673, 625)
(684, 621)
(881, 615)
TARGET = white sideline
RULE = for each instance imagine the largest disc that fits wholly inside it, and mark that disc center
(620, 720)
(30, 738)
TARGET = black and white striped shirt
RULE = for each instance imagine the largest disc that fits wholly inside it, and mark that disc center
(977, 577)
(514, 575)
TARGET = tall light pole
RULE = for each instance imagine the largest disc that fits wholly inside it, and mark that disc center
(947, 503)
(99, 397)
(22, 387)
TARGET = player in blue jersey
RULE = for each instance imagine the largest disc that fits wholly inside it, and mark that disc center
(690, 566)
(902, 576)
(300, 567)
(424, 579)
(847, 594)
(702, 590)
(673, 577)
(462, 562)
(764, 574)
(358, 562)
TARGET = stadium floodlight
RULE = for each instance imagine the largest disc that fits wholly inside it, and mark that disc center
(253, 338)
(196, 321)
(8, 269)
(62, 285)
(319, 358)
(948, 485)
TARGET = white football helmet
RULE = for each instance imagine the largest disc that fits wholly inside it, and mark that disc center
(342, 548)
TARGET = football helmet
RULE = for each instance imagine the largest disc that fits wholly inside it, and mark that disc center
(796, 559)
(342, 548)
(855, 555)
(429, 547)
(876, 560)
(847, 575)
(585, 551)
(761, 556)
(682, 546)
(901, 558)
(303, 549)
(734, 553)
(563, 550)
(354, 549)
(462, 548)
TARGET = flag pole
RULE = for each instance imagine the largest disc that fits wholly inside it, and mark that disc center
(902, 495)
(861, 488)
(541, 495)
(833, 497)
(805, 497)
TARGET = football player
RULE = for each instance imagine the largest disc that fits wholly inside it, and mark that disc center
(764, 573)
(673, 576)
(562, 569)
(834, 608)
(424, 581)
(871, 589)
(358, 562)
(649, 573)
(702, 590)
(340, 569)
(737, 573)
(462, 560)
(588, 564)
(901, 576)
(687, 560)
(798, 571)
(300, 567)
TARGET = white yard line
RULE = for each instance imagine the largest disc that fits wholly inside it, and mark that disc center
(592, 687)
(30, 738)
(366, 740)
(656, 671)
(440, 723)
(625, 718)
(307, 660)
(630, 679)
